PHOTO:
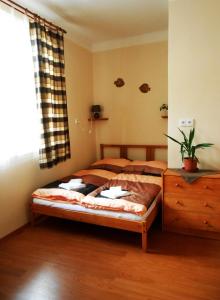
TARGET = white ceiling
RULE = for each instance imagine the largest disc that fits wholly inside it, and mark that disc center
(91, 23)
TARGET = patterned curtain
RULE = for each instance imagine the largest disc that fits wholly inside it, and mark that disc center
(48, 55)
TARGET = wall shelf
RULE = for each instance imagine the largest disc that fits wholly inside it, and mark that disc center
(98, 119)
(164, 117)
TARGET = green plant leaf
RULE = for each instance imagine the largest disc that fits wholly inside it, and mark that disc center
(193, 152)
(191, 136)
(186, 143)
(203, 145)
(174, 140)
(184, 136)
(182, 151)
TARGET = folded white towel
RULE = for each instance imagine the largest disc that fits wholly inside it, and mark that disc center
(115, 188)
(113, 194)
(75, 180)
(70, 186)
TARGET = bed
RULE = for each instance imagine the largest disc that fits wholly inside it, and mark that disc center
(84, 212)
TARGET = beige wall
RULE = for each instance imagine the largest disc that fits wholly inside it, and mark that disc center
(134, 117)
(79, 81)
(194, 75)
(18, 182)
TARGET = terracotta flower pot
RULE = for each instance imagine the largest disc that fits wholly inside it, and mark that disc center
(190, 165)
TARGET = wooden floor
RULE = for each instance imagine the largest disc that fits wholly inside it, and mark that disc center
(62, 260)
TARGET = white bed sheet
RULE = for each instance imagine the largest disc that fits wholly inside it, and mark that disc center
(99, 212)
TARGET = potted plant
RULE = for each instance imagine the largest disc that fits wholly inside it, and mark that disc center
(164, 110)
(188, 150)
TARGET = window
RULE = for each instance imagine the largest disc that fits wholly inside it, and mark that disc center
(18, 112)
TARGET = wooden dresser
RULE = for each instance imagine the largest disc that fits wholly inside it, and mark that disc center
(191, 208)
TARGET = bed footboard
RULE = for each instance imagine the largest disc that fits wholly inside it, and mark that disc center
(135, 226)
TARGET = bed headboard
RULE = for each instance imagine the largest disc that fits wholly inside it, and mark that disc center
(149, 149)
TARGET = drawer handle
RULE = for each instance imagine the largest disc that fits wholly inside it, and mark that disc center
(177, 184)
(206, 204)
(205, 222)
(206, 187)
(178, 202)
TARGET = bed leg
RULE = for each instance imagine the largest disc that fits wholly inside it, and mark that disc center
(144, 239)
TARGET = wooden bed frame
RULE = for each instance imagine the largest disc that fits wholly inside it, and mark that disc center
(149, 149)
(135, 226)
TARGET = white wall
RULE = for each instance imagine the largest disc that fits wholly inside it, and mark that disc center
(194, 75)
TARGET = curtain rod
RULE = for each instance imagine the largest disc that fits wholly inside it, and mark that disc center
(30, 14)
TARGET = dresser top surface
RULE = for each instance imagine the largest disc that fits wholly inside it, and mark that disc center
(174, 172)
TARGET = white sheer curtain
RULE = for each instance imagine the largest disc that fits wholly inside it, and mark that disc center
(18, 113)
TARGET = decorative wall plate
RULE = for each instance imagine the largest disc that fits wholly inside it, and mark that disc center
(144, 88)
(119, 82)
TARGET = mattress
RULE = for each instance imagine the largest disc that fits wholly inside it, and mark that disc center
(97, 212)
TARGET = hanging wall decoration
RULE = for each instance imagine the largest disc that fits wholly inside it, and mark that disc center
(144, 88)
(119, 82)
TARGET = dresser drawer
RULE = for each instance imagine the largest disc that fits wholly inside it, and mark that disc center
(193, 202)
(202, 186)
(177, 220)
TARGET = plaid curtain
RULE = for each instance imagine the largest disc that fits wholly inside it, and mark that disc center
(48, 55)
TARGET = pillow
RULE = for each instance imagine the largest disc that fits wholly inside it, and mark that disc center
(153, 167)
(111, 164)
(94, 176)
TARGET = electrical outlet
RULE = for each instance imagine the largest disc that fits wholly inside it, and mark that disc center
(186, 122)
(182, 122)
(189, 122)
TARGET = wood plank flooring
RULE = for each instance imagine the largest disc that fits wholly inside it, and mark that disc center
(62, 260)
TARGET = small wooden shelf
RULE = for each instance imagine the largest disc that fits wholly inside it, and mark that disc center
(98, 119)
(164, 117)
